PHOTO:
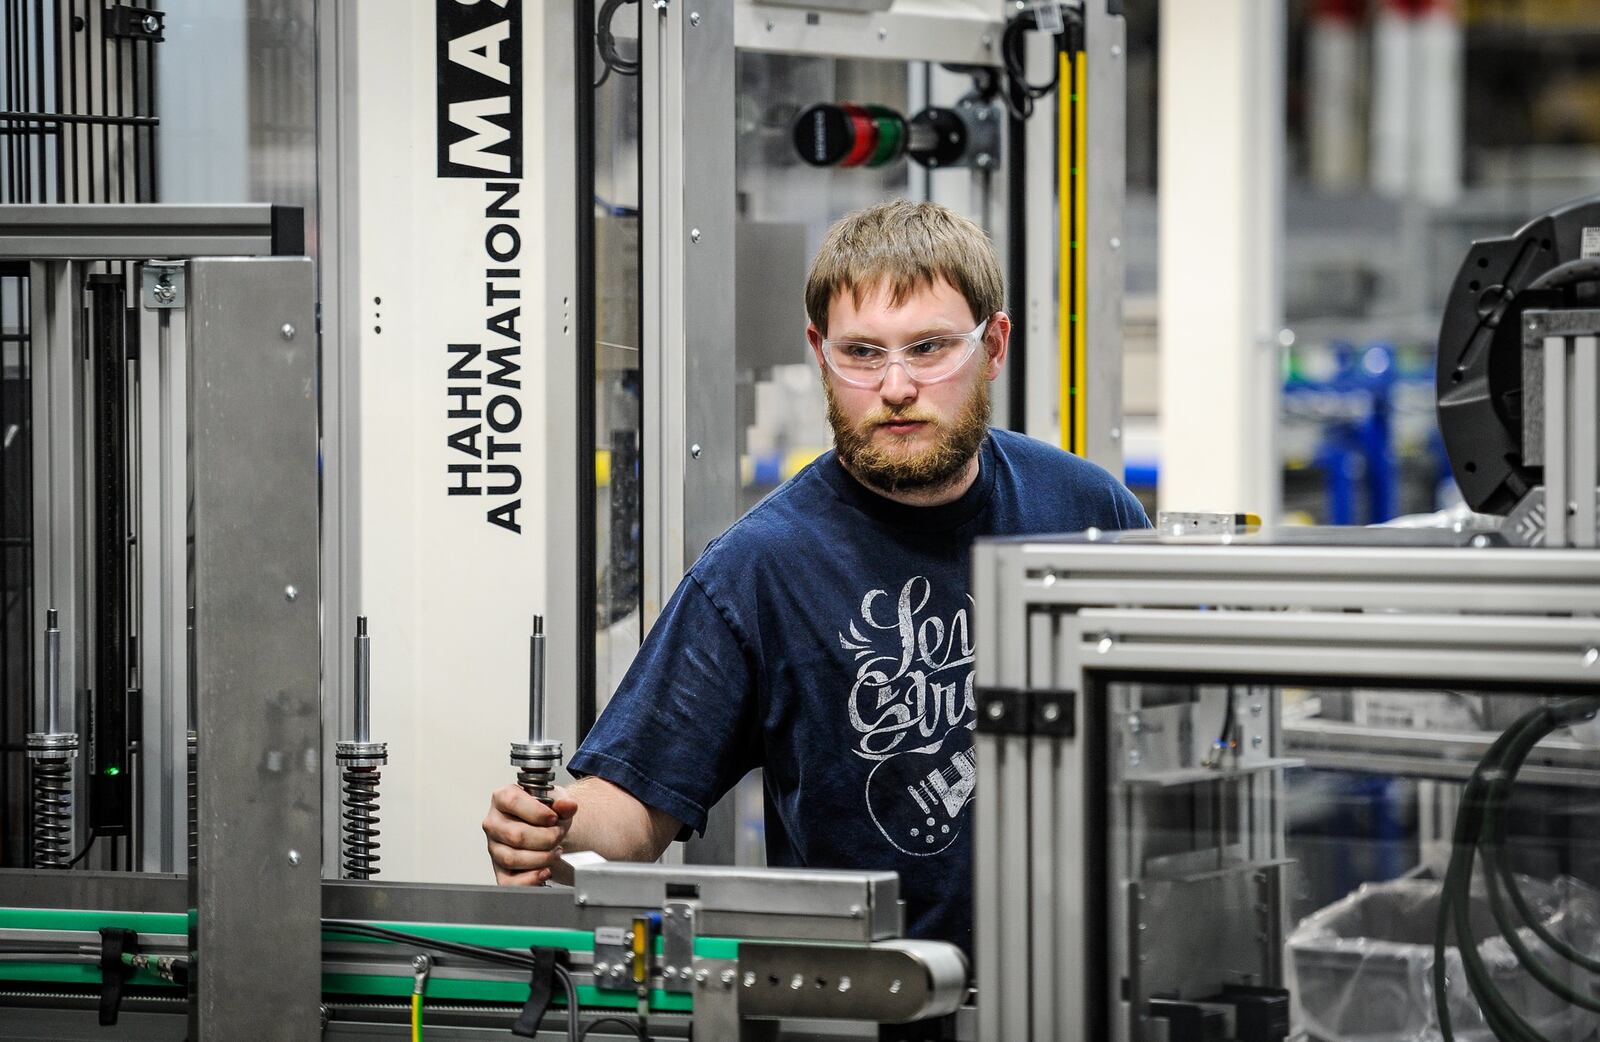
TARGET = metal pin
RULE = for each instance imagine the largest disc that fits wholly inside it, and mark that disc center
(52, 671)
(536, 681)
(363, 681)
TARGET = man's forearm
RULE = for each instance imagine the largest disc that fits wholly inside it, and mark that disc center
(613, 824)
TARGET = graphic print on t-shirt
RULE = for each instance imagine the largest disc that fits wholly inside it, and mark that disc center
(912, 709)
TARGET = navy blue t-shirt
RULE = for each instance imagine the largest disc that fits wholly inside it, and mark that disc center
(827, 638)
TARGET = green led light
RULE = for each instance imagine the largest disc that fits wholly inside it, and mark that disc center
(112, 772)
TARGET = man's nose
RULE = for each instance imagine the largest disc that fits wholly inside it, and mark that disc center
(897, 387)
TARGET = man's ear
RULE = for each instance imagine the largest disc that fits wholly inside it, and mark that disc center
(814, 338)
(997, 343)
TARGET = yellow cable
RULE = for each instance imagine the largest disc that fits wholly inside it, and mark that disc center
(416, 1018)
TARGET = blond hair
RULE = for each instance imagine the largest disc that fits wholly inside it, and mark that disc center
(909, 246)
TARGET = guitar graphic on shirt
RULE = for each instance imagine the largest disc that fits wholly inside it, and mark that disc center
(915, 798)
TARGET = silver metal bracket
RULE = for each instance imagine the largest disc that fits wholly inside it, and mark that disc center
(678, 920)
(613, 957)
(1526, 524)
(163, 284)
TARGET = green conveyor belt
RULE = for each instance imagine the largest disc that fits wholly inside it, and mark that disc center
(396, 985)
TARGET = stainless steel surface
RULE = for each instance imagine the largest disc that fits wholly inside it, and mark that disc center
(536, 682)
(798, 903)
(113, 231)
(426, 903)
(567, 630)
(1585, 437)
(961, 35)
(687, 73)
(162, 545)
(1106, 50)
(892, 982)
(337, 242)
(363, 728)
(60, 494)
(95, 891)
(1398, 751)
(253, 454)
(52, 672)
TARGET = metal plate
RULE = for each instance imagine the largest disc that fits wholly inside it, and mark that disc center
(893, 983)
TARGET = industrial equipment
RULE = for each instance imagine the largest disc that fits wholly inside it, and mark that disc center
(1221, 770)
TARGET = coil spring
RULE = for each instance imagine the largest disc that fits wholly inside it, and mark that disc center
(361, 822)
(52, 812)
(537, 781)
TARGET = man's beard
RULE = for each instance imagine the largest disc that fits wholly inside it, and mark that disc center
(894, 470)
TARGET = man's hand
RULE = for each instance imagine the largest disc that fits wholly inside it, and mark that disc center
(525, 836)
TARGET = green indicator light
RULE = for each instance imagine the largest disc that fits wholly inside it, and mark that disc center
(112, 772)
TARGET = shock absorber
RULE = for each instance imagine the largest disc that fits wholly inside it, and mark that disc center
(536, 759)
(359, 761)
(51, 752)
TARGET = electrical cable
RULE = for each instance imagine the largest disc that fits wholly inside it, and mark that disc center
(1021, 94)
(636, 1030)
(605, 42)
(94, 834)
(1480, 821)
(416, 1018)
(565, 977)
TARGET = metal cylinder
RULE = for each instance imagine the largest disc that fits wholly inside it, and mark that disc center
(363, 681)
(52, 672)
(536, 682)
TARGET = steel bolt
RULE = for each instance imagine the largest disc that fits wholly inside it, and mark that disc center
(290, 593)
(1256, 708)
(603, 968)
(797, 983)
(988, 42)
(984, 160)
(695, 450)
(996, 710)
(728, 977)
(1480, 541)
(1590, 657)
(287, 331)
(294, 857)
(1135, 757)
(1116, 434)
(1116, 243)
(701, 976)
(895, 986)
(694, 17)
(855, 912)
(749, 980)
(1116, 50)
(883, 34)
(1135, 723)
(164, 292)
(1051, 712)
(844, 983)
(694, 234)
(1255, 742)
(583, 899)
(770, 27)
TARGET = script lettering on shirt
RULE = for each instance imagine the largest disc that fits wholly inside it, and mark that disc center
(913, 680)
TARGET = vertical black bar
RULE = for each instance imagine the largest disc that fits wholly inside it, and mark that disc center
(99, 30)
(60, 106)
(1017, 261)
(119, 49)
(150, 67)
(75, 191)
(10, 140)
(39, 94)
(588, 561)
(110, 795)
(1097, 898)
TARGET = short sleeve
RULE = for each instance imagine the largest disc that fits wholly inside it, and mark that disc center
(683, 726)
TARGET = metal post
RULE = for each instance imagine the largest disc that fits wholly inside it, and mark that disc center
(255, 886)
(1584, 467)
(1556, 495)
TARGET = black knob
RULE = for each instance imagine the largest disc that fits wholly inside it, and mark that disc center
(824, 134)
(938, 137)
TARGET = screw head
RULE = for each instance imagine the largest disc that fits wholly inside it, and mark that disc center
(728, 977)
(1135, 758)
(695, 450)
(984, 160)
(290, 593)
(1116, 243)
(988, 42)
(1256, 708)
(694, 234)
(855, 911)
(294, 857)
(844, 983)
(995, 711)
(883, 34)
(694, 17)
(287, 331)
(583, 899)
(1590, 657)
(797, 983)
(151, 24)
(701, 976)
(1480, 541)
(1255, 741)
(749, 980)
(1051, 712)
(603, 968)
(1116, 50)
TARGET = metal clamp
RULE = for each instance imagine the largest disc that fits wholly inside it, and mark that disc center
(163, 285)
(677, 944)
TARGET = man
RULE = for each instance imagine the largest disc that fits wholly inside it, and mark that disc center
(827, 636)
